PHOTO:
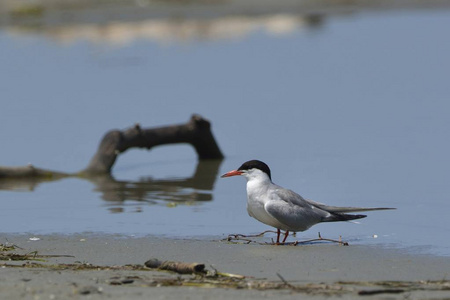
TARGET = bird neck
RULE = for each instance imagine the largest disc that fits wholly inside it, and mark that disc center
(258, 182)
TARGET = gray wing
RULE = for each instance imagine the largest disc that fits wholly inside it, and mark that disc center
(290, 197)
(300, 201)
(291, 210)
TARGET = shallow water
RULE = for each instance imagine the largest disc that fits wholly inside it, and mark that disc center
(353, 111)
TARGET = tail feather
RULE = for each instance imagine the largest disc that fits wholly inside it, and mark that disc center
(336, 217)
(340, 209)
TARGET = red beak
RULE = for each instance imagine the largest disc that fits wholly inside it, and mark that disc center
(232, 173)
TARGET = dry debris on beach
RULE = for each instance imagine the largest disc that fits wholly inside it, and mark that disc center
(159, 273)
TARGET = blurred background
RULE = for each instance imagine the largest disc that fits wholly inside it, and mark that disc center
(347, 101)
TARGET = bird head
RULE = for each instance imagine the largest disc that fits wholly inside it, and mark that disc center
(251, 169)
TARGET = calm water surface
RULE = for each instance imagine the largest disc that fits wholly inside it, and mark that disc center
(352, 112)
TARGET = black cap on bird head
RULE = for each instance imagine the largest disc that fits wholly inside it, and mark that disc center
(256, 164)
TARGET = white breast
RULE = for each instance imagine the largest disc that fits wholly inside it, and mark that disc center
(256, 199)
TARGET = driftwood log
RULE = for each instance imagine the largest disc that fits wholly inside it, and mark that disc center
(197, 132)
(175, 266)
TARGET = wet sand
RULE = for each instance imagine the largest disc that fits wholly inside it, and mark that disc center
(336, 271)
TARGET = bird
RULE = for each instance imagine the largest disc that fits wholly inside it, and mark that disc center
(284, 209)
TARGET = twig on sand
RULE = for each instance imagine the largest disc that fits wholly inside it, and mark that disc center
(216, 273)
(287, 284)
(8, 247)
(28, 256)
(320, 239)
(383, 291)
(246, 240)
(5, 254)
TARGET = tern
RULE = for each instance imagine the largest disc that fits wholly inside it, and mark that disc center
(284, 209)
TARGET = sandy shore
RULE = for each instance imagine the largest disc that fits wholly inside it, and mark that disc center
(313, 271)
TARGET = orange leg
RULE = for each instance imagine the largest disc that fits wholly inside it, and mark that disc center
(278, 236)
(285, 236)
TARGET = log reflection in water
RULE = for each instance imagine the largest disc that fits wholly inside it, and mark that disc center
(198, 187)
